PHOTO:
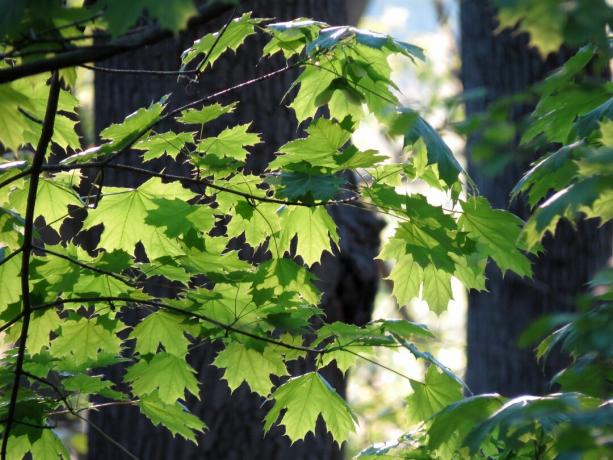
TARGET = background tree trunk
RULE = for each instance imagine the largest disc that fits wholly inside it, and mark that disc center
(235, 422)
(502, 64)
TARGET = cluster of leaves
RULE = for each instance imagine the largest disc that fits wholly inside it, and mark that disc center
(63, 302)
(574, 181)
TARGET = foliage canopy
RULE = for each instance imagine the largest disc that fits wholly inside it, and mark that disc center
(62, 305)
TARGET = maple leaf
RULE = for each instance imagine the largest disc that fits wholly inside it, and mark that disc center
(304, 399)
(242, 363)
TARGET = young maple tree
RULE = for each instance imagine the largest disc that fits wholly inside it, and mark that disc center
(62, 304)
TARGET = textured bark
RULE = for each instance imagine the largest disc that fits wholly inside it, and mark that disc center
(349, 280)
(502, 64)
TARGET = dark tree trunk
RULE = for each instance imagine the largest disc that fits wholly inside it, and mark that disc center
(502, 64)
(235, 421)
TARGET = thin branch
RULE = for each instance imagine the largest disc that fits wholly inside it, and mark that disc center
(74, 412)
(18, 176)
(81, 264)
(161, 73)
(10, 256)
(149, 36)
(106, 436)
(195, 180)
(191, 314)
(37, 163)
(223, 92)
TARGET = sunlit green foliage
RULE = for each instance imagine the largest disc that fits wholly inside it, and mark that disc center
(63, 311)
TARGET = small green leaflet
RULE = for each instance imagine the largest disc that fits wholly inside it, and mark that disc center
(10, 290)
(304, 399)
(175, 417)
(313, 82)
(552, 172)
(333, 36)
(290, 37)
(91, 384)
(407, 276)
(168, 143)
(436, 289)
(134, 126)
(314, 228)
(206, 114)
(230, 143)
(166, 375)
(242, 363)
(498, 231)
(160, 328)
(437, 391)
(212, 46)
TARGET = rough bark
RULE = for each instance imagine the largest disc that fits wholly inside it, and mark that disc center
(503, 64)
(349, 279)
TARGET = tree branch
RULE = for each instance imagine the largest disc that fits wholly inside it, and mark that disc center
(37, 163)
(148, 36)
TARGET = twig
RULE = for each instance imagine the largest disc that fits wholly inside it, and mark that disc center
(37, 163)
(149, 36)
(154, 303)
(81, 264)
(199, 181)
(18, 176)
(162, 73)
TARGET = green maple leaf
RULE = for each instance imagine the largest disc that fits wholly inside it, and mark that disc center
(169, 376)
(313, 82)
(123, 212)
(213, 45)
(121, 135)
(39, 443)
(92, 384)
(414, 128)
(554, 171)
(258, 223)
(407, 276)
(41, 326)
(175, 417)
(230, 142)
(241, 363)
(206, 114)
(438, 391)
(436, 289)
(304, 399)
(168, 143)
(52, 199)
(160, 328)
(498, 231)
(93, 336)
(313, 227)
(178, 218)
(133, 125)
(320, 148)
(451, 425)
(10, 287)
